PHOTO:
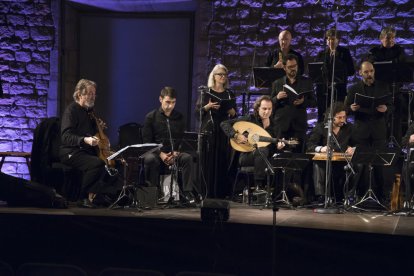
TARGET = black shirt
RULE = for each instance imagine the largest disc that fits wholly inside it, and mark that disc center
(301, 84)
(77, 123)
(319, 137)
(377, 89)
(273, 58)
(156, 129)
(379, 53)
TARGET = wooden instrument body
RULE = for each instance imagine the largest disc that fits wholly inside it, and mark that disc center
(104, 146)
(336, 156)
(255, 135)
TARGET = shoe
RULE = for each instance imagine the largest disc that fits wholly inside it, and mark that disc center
(85, 203)
(187, 199)
(102, 200)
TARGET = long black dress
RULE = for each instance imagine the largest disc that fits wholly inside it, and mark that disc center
(216, 154)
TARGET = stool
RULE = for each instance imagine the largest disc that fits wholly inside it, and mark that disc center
(25, 155)
(248, 172)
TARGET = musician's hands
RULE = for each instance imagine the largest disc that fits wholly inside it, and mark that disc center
(382, 108)
(324, 149)
(280, 145)
(355, 107)
(350, 150)
(92, 141)
(279, 64)
(168, 158)
(299, 101)
(411, 139)
(281, 95)
(241, 139)
(231, 112)
(211, 105)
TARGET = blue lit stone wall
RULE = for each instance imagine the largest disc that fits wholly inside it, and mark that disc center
(236, 29)
(26, 39)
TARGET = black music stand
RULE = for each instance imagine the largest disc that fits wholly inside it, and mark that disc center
(288, 161)
(394, 73)
(265, 76)
(129, 190)
(371, 157)
(320, 74)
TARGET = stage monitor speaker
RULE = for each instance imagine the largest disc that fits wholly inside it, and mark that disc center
(147, 196)
(213, 210)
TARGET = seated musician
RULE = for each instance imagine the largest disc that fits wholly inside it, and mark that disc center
(79, 145)
(166, 126)
(262, 111)
(317, 142)
(408, 143)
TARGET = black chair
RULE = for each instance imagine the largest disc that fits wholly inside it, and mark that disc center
(46, 167)
(41, 269)
(129, 134)
(115, 271)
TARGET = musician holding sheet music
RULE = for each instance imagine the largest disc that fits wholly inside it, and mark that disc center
(370, 126)
(291, 95)
(318, 143)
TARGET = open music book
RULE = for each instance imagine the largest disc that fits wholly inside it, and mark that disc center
(293, 94)
(368, 101)
(225, 104)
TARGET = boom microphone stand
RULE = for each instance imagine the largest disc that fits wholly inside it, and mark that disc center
(328, 207)
(202, 89)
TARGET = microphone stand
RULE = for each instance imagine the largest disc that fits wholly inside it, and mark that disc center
(328, 207)
(173, 169)
(202, 90)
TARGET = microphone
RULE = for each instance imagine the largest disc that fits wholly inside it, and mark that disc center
(202, 88)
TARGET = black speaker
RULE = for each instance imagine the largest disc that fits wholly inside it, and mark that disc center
(213, 210)
(147, 196)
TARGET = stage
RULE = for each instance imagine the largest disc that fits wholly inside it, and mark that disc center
(173, 240)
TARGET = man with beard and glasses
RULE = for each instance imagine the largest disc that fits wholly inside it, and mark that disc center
(79, 145)
(290, 115)
(317, 142)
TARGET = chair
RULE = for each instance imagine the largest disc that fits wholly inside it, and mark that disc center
(41, 269)
(6, 269)
(116, 271)
(46, 167)
(248, 173)
(129, 134)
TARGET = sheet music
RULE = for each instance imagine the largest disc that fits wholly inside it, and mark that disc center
(156, 146)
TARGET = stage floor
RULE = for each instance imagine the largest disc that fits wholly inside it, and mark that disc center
(354, 220)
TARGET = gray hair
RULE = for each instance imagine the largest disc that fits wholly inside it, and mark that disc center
(81, 87)
(211, 81)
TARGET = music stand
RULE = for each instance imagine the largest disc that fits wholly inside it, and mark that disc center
(288, 161)
(139, 151)
(265, 76)
(372, 157)
(319, 73)
(394, 73)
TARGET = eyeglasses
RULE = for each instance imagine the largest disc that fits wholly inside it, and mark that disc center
(222, 75)
(291, 67)
(340, 117)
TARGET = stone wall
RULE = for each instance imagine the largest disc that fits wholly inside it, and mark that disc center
(27, 37)
(238, 30)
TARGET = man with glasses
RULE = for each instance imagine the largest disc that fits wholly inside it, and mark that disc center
(290, 115)
(317, 142)
(278, 57)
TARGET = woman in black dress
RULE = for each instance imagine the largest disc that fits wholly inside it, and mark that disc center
(216, 104)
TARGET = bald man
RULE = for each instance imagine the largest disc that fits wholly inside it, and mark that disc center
(277, 58)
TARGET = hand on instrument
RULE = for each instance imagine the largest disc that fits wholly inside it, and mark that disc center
(231, 112)
(281, 95)
(167, 158)
(241, 139)
(355, 107)
(350, 150)
(280, 145)
(382, 108)
(92, 141)
(299, 101)
(411, 139)
(324, 149)
(211, 105)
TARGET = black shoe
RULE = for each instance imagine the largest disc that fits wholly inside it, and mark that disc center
(187, 199)
(102, 200)
(85, 203)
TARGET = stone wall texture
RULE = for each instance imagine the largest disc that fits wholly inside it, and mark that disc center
(27, 35)
(239, 33)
